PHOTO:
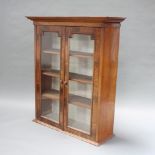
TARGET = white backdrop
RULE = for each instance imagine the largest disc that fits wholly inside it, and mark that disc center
(135, 102)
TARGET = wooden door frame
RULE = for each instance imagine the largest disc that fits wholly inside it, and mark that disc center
(65, 33)
(39, 29)
(95, 35)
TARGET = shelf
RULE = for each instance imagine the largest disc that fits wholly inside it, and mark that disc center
(81, 54)
(80, 78)
(51, 94)
(72, 53)
(52, 51)
(53, 73)
(80, 101)
(51, 116)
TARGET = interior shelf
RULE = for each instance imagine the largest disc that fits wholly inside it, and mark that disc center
(80, 101)
(81, 54)
(80, 78)
(72, 53)
(53, 73)
(52, 116)
(52, 51)
(50, 94)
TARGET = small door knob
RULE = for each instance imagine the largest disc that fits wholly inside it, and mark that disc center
(61, 81)
(65, 83)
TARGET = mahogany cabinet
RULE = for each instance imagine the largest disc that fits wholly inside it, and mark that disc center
(75, 74)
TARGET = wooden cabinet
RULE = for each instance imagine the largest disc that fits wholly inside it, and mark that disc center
(75, 74)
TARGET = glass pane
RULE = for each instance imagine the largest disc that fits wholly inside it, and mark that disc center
(81, 54)
(80, 89)
(81, 65)
(79, 118)
(82, 43)
(50, 41)
(50, 76)
(80, 82)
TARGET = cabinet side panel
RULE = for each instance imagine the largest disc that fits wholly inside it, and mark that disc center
(108, 76)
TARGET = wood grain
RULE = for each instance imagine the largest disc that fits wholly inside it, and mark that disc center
(78, 19)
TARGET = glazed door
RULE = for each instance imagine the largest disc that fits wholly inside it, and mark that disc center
(51, 69)
(80, 75)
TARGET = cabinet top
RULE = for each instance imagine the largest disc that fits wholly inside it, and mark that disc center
(77, 19)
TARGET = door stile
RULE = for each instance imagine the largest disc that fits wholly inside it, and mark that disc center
(94, 112)
(62, 89)
(37, 72)
(66, 77)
